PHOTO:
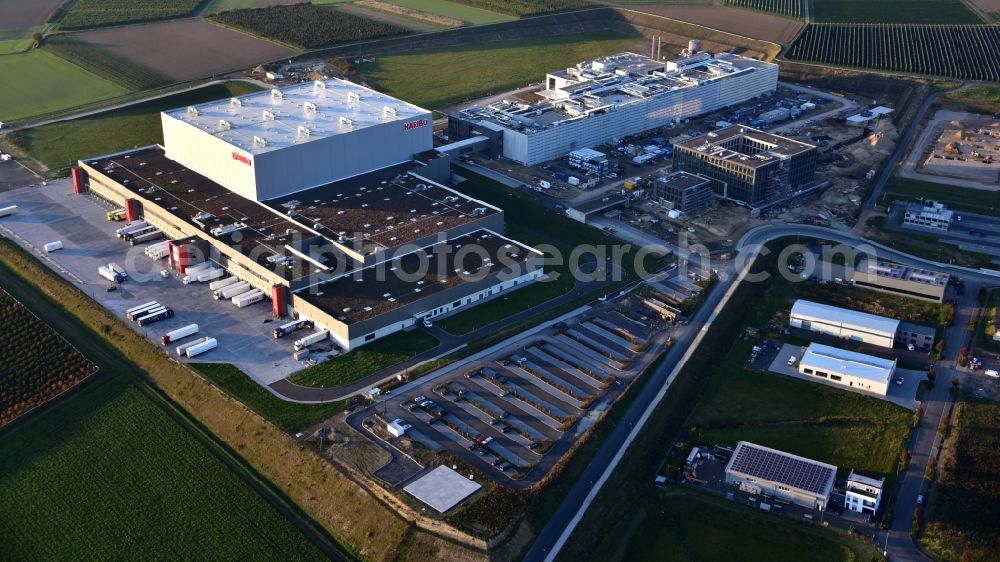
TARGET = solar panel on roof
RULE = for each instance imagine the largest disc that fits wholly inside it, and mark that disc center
(781, 468)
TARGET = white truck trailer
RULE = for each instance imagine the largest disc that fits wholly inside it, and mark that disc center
(211, 274)
(8, 210)
(53, 246)
(115, 268)
(246, 299)
(134, 227)
(182, 348)
(233, 290)
(137, 311)
(106, 273)
(157, 251)
(214, 285)
(311, 339)
(289, 327)
(199, 348)
(179, 334)
(147, 237)
(155, 317)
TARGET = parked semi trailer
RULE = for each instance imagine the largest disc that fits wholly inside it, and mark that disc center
(115, 268)
(198, 268)
(8, 211)
(153, 310)
(140, 232)
(198, 349)
(215, 285)
(147, 237)
(157, 251)
(137, 311)
(136, 226)
(312, 338)
(246, 299)
(150, 318)
(182, 348)
(179, 334)
(106, 273)
(233, 290)
(53, 246)
(295, 325)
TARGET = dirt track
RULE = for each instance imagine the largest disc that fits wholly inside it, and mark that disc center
(186, 49)
(733, 20)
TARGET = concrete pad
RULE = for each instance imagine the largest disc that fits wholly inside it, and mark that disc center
(902, 395)
(442, 488)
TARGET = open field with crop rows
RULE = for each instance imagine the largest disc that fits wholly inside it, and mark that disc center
(969, 52)
(185, 49)
(97, 13)
(108, 473)
(55, 84)
(521, 8)
(791, 8)
(305, 25)
(755, 24)
(38, 365)
(891, 11)
(105, 63)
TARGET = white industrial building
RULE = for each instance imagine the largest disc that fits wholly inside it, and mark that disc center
(272, 143)
(929, 215)
(762, 470)
(611, 97)
(863, 493)
(855, 371)
(844, 323)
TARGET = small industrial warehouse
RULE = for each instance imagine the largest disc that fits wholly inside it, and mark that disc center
(761, 470)
(336, 223)
(844, 323)
(855, 371)
(611, 97)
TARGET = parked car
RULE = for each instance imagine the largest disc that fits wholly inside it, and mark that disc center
(487, 441)
(428, 324)
(792, 360)
(534, 445)
(920, 499)
(911, 347)
(480, 438)
(900, 381)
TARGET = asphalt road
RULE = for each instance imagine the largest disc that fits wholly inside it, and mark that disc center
(573, 506)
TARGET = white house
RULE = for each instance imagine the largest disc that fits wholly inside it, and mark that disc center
(863, 493)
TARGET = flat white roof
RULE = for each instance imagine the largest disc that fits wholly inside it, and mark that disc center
(845, 317)
(867, 480)
(295, 114)
(442, 488)
(844, 362)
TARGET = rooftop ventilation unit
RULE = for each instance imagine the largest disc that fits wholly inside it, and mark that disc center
(387, 111)
(309, 106)
(259, 141)
(304, 131)
(267, 115)
(479, 211)
(353, 96)
(193, 111)
(319, 85)
(345, 122)
(276, 93)
(225, 125)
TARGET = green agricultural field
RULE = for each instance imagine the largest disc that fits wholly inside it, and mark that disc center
(366, 360)
(289, 416)
(977, 98)
(439, 78)
(959, 198)
(521, 8)
(54, 84)
(108, 473)
(962, 516)
(60, 144)
(891, 11)
(98, 13)
(687, 525)
(105, 63)
(840, 427)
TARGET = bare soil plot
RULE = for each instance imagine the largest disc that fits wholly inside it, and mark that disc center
(989, 6)
(22, 14)
(187, 49)
(732, 20)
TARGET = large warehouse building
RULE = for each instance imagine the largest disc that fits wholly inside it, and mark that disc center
(844, 323)
(747, 165)
(611, 97)
(763, 470)
(362, 256)
(855, 371)
(903, 280)
(275, 142)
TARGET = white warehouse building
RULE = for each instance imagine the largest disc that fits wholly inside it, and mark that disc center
(855, 371)
(844, 323)
(273, 143)
(611, 97)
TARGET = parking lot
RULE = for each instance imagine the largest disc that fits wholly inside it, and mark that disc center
(50, 213)
(514, 412)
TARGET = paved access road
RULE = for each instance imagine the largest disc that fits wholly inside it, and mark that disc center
(561, 525)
